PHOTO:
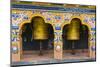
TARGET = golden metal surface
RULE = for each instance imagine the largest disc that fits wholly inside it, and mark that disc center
(74, 29)
(39, 29)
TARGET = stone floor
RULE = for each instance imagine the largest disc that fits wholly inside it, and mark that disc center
(48, 55)
(77, 55)
(33, 58)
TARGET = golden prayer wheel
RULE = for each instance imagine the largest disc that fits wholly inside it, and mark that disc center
(74, 29)
(73, 33)
(39, 31)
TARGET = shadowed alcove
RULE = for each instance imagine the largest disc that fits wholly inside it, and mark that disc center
(75, 37)
(37, 41)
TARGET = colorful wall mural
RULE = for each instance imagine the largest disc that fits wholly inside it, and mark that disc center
(57, 17)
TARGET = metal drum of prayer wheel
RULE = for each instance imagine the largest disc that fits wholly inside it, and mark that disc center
(39, 30)
(73, 33)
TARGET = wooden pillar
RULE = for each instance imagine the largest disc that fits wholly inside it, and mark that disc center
(16, 48)
(58, 50)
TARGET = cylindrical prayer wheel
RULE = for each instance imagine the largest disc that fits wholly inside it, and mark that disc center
(74, 29)
(39, 28)
(39, 31)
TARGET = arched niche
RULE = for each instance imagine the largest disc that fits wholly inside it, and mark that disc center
(48, 44)
(82, 42)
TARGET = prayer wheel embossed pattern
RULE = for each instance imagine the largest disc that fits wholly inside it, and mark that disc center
(39, 31)
(74, 29)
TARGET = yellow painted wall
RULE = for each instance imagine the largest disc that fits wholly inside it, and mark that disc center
(56, 19)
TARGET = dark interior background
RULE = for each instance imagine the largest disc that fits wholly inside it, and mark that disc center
(82, 43)
(31, 44)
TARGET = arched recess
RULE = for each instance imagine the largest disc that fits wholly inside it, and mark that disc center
(83, 42)
(49, 41)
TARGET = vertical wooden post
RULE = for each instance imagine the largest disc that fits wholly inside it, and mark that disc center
(58, 50)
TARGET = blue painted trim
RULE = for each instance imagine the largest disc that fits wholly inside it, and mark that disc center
(53, 8)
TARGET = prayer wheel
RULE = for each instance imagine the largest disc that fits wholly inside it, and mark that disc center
(39, 30)
(74, 29)
(73, 33)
